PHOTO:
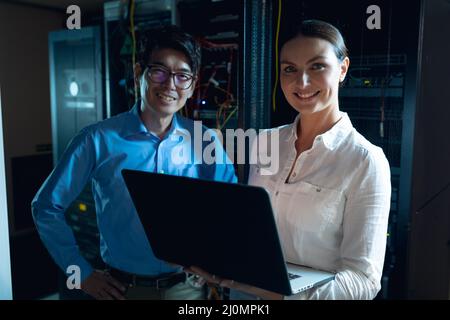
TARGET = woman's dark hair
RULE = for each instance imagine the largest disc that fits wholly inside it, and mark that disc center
(169, 37)
(323, 30)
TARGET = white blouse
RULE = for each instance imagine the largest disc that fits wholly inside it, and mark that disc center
(332, 213)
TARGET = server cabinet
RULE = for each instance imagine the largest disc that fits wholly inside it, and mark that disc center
(75, 83)
(77, 101)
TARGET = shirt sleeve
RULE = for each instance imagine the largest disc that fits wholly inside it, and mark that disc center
(364, 234)
(64, 184)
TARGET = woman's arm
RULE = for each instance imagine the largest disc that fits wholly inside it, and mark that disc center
(363, 245)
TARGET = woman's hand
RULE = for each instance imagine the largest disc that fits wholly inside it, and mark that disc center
(213, 279)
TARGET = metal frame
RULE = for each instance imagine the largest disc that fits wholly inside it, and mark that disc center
(256, 57)
(5, 261)
(70, 35)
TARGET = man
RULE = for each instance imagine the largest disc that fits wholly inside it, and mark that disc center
(143, 139)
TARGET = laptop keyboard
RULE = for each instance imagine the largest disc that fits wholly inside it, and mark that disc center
(293, 276)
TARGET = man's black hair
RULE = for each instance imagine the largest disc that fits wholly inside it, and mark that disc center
(169, 37)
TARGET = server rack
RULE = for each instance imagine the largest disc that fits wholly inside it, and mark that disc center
(76, 92)
(228, 30)
(119, 18)
(236, 58)
(427, 241)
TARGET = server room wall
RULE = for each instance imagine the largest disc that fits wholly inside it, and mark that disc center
(27, 136)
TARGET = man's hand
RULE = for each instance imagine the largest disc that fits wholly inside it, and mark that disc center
(102, 286)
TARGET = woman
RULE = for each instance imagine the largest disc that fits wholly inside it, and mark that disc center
(331, 191)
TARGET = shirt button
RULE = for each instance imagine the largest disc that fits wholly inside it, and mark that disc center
(276, 193)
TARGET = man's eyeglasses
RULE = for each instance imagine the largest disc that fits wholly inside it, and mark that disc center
(160, 74)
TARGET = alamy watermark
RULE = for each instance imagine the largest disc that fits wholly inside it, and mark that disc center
(74, 277)
(374, 20)
(206, 147)
(74, 20)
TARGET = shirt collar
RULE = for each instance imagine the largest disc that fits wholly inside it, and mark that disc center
(134, 124)
(331, 138)
(293, 128)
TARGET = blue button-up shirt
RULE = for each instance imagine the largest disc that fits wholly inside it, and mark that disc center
(98, 154)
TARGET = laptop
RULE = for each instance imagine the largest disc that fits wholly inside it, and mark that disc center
(226, 229)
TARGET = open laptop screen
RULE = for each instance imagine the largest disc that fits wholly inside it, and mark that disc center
(226, 229)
